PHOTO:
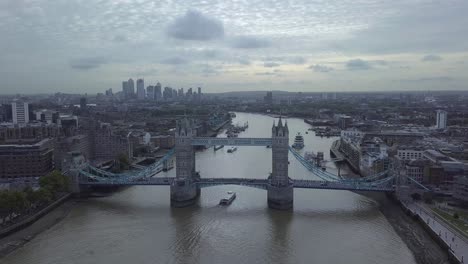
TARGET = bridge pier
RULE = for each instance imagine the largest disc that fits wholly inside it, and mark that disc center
(280, 197)
(184, 193)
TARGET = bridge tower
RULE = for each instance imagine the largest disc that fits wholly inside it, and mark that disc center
(280, 187)
(184, 190)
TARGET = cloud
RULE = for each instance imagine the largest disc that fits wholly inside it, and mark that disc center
(271, 64)
(431, 57)
(438, 79)
(358, 64)
(195, 26)
(297, 60)
(413, 26)
(120, 38)
(265, 73)
(244, 61)
(208, 70)
(320, 68)
(87, 63)
(249, 42)
(174, 61)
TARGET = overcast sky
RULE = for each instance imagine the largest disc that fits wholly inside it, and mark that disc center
(296, 45)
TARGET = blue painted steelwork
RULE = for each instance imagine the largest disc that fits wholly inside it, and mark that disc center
(327, 176)
(147, 172)
(379, 183)
(255, 183)
(204, 141)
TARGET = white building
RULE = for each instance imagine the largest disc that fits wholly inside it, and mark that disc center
(441, 119)
(20, 112)
(141, 94)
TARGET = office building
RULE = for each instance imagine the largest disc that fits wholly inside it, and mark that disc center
(21, 160)
(130, 88)
(141, 93)
(268, 99)
(441, 119)
(20, 111)
(157, 92)
(150, 92)
(83, 103)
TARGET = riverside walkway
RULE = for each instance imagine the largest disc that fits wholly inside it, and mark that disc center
(457, 243)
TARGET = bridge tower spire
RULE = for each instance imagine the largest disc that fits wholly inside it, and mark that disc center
(280, 187)
(184, 190)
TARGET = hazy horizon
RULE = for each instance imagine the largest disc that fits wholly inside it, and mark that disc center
(325, 46)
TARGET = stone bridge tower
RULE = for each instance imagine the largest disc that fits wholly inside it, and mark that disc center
(280, 188)
(184, 190)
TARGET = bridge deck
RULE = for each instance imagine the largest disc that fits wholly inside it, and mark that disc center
(209, 141)
(256, 183)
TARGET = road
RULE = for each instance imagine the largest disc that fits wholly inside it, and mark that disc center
(457, 242)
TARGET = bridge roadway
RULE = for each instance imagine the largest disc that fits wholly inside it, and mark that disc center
(210, 141)
(256, 183)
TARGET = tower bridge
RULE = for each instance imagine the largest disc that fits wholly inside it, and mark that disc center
(185, 186)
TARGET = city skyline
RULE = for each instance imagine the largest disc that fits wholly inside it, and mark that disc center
(335, 46)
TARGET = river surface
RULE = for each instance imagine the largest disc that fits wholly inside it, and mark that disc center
(137, 224)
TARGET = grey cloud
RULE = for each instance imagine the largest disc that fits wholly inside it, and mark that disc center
(297, 60)
(208, 70)
(210, 54)
(174, 61)
(437, 26)
(320, 68)
(358, 64)
(429, 79)
(265, 73)
(244, 61)
(87, 63)
(120, 38)
(431, 57)
(271, 64)
(195, 26)
(249, 42)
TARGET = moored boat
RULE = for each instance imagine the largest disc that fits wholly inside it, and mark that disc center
(298, 141)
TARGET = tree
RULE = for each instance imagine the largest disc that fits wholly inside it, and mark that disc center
(416, 196)
(123, 161)
(5, 205)
(54, 182)
(43, 196)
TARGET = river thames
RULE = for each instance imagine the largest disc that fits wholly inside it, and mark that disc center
(137, 224)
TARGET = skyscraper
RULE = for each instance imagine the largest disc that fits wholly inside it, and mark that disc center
(124, 87)
(157, 92)
(150, 92)
(441, 119)
(83, 103)
(130, 88)
(268, 99)
(141, 89)
(20, 112)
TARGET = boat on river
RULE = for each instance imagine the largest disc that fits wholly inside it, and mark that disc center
(227, 200)
(298, 141)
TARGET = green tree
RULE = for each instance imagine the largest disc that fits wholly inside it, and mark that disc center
(124, 163)
(54, 182)
(43, 196)
(5, 204)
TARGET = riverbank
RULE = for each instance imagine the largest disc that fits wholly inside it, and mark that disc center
(417, 239)
(19, 238)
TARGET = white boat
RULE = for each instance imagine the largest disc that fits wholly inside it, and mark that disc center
(298, 141)
(231, 150)
(227, 200)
